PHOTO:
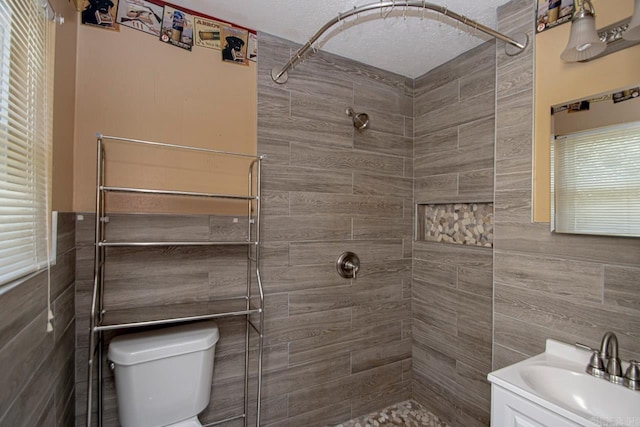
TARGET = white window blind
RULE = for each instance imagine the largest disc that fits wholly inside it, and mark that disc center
(26, 100)
(596, 181)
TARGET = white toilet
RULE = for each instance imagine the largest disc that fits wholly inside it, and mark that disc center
(163, 377)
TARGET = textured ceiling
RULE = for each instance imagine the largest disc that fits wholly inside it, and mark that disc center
(407, 45)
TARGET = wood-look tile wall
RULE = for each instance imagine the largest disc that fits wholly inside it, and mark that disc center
(454, 129)
(37, 373)
(328, 189)
(452, 293)
(567, 287)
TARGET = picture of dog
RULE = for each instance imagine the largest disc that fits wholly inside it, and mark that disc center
(98, 12)
(233, 49)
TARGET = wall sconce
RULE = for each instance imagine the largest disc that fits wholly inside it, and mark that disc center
(586, 43)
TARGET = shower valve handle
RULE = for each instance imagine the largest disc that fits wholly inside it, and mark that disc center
(353, 267)
(348, 265)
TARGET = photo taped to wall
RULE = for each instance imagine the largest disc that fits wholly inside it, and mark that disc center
(626, 95)
(252, 50)
(177, 28)
(140, 15)
(100, 13)
(235, 45)
(552, 13)
(207, 33)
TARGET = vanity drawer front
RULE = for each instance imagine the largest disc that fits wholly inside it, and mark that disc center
(510, 410)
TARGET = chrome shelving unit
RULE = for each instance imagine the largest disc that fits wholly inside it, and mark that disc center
(102, 320)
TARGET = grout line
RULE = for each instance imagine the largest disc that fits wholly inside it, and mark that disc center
(603, 284)
(352, 233)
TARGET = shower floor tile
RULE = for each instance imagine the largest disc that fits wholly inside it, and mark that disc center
(408, 413)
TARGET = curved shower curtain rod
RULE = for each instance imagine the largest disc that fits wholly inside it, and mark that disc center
(513, 47)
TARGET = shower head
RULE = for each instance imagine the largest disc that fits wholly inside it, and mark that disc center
(360, 120)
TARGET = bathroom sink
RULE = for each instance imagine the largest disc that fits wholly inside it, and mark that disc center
(557, 381)
(582, 393)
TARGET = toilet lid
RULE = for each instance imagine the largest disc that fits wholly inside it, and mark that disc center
(141, 347)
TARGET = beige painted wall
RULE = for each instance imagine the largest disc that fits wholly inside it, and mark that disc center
(64, 107)
(132, 85)
(557, 81)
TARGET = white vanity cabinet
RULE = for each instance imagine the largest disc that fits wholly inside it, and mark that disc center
(510, 410)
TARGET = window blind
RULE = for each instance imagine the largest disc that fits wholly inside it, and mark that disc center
(26, 101)
(596, 181)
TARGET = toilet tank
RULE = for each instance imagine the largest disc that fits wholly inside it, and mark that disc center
(163, 376)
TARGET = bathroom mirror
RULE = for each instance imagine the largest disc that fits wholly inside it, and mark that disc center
(595, 164)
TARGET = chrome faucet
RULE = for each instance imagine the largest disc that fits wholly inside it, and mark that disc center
(609, 354)
(605, 363)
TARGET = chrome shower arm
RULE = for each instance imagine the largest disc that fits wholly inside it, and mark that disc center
(281, 76)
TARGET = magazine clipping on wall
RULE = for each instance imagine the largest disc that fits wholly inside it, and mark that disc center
(552, 13)
(235, 45)
(601, 98)
(578, 106)
(582, 105)
(207, 33)
(100, 13)
(140, 15)
(252, 50)
(626, 95)
(177, 28)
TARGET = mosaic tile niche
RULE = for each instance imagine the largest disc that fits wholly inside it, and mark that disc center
(459, 223)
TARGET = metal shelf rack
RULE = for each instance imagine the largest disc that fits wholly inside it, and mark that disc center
(102, 320)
